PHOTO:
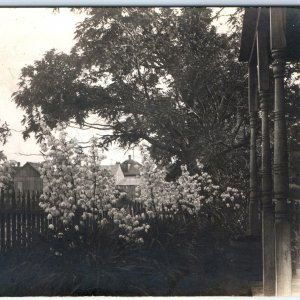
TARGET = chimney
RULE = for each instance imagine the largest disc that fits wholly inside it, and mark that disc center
(18, 164)
(129, 156)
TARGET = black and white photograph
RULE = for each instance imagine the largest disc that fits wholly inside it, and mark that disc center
(150, 151)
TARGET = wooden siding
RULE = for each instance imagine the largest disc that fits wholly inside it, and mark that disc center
(28, 179)
(28, 184)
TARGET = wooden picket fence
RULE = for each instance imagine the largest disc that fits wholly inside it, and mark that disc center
(21, 219)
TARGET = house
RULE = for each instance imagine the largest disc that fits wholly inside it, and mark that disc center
(128, 185)
(28, 178)
(131, 170)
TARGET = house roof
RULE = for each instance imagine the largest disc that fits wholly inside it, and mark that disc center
(113, 169)
(130, 167)
(34, 165)
(251, 16)
(248, 32)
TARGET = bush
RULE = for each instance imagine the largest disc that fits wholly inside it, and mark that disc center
(85, 208)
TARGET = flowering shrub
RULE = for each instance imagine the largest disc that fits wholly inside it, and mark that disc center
(7, 171)
(78, 190)
(191, 195)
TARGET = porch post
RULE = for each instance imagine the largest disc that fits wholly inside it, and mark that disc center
(281, 181)
(252, 98)
(268, 230)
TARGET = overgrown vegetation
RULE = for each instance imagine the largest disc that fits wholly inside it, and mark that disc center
(77, 190)
(172, 261)
(173, 240)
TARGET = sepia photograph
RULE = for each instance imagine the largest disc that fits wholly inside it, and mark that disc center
(150, 151)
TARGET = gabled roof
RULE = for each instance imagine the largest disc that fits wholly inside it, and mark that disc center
(130, 167)
(113, 169)
(34, 165)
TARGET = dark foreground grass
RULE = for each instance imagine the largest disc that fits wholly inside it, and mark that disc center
(164, 266)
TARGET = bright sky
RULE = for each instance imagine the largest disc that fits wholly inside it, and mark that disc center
(26, 34)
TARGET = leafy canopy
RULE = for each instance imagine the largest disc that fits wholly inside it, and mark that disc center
(162, 75)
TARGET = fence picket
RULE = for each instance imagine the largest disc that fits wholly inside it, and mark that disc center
(43, 224)
(29, 218)
(19, 229)
(8, 230)
(35, 211)
(13, 219)
(2, 200)
(23, 222)
(18, 220)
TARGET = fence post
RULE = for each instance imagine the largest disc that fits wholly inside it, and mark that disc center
(8, 222)
(29, 217)
(13, 219)
(19, 219)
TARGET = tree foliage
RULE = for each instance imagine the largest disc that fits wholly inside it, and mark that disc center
(4, 133)
(161, 75)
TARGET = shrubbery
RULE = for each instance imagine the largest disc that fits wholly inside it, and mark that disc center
(7, 171)
(79, 193)
(174, 231)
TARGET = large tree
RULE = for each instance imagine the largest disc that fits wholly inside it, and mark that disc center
(161, 75)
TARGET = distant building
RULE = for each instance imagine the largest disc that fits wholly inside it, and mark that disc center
(131, 170)
(28, 178)
(126, 175)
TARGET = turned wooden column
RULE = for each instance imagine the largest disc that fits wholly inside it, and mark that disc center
(253, 203)
(268, 226)
(281, 181)
(268, 230)
(280, 169)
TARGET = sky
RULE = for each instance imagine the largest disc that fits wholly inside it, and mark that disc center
(26, 34)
